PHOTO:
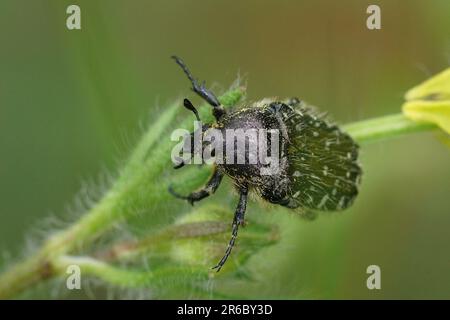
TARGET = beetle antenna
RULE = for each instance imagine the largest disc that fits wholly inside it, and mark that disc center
(188, 105)
(201, 90)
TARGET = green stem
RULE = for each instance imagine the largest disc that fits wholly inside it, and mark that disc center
(385, 127)
(125, 277)
(132, 191)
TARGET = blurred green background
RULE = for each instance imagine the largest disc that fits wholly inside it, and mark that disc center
(72, 104)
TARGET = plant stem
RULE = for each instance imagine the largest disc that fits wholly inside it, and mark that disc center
(125, 277)
(132, 190)
(386, 127)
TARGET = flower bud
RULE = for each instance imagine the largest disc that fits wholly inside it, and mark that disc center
(202, 236)
(430, 102)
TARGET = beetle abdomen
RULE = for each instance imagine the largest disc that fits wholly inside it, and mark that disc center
(323, 163)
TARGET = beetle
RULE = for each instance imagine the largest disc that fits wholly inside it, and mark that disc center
(318, 163)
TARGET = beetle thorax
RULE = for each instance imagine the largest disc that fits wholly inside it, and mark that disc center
(252, 147)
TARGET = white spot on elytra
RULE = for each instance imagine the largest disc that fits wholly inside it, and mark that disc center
(341, 202)
(358, 180)
(322, 202)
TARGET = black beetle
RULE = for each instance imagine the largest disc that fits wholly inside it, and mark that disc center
(318, 168)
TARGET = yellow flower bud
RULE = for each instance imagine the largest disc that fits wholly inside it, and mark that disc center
(430, 102)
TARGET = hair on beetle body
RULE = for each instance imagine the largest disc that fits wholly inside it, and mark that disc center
(312, 163)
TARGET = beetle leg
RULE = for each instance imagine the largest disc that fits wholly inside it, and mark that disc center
(237, 221)
(209, 188)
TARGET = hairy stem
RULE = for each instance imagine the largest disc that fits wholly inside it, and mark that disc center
(125, 277)
(135, 189)
(138, 185)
